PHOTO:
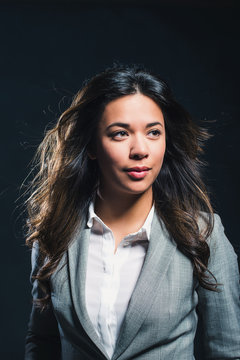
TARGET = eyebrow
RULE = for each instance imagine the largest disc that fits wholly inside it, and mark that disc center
(127, 126)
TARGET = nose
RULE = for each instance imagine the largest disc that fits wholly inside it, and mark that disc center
(138, 148)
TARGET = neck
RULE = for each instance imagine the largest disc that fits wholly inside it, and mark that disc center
(126, 209)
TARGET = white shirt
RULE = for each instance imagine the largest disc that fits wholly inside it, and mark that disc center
(111, 278)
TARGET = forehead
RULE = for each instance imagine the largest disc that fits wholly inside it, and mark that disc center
(132, 108)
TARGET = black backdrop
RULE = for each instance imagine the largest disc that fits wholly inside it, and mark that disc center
(48, 49)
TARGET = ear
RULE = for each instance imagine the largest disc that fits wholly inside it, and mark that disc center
(91, 151)
(91, 156)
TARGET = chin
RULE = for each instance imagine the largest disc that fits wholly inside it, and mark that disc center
(137, 190)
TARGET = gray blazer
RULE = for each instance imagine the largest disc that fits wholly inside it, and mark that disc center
(162, 316)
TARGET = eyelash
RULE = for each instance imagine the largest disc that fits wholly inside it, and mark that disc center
(156, 131)
(123, 132)
(118, 133)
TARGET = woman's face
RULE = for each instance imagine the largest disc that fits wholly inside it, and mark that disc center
(130, 144)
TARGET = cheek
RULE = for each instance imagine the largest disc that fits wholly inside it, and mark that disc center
(108, 156)
(159, 154)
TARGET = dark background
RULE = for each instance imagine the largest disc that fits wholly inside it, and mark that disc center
(49, 48)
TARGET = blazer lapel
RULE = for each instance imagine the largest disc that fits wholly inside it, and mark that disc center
(159, 255)
(77, 260)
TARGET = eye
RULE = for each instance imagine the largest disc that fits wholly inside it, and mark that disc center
(154, 133)
(118, 135)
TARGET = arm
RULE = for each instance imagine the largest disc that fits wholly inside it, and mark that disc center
(220, 312)
(42, 340)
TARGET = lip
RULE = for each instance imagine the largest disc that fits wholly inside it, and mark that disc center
(138, 172)
(138, 168)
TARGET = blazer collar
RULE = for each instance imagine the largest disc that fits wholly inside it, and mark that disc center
(77, 261)
(159, 255)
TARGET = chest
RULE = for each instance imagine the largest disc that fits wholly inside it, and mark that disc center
(169, 294)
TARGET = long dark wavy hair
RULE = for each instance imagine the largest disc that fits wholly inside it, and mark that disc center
(60, 193)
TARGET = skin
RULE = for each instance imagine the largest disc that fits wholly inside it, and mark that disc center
(131, 134)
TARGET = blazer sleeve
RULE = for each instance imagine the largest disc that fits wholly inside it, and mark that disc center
(42, 340)
(220, 311)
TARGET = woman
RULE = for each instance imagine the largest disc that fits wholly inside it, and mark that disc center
(127, 253)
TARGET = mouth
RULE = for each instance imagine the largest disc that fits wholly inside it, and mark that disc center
(138, 172)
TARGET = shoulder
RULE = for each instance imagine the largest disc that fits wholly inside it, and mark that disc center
(218, 239)
(222, 253)
(35, 259)
(217, 235)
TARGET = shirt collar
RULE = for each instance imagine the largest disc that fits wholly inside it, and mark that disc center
(141, 234)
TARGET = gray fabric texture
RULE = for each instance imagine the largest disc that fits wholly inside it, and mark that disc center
(161, 319)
